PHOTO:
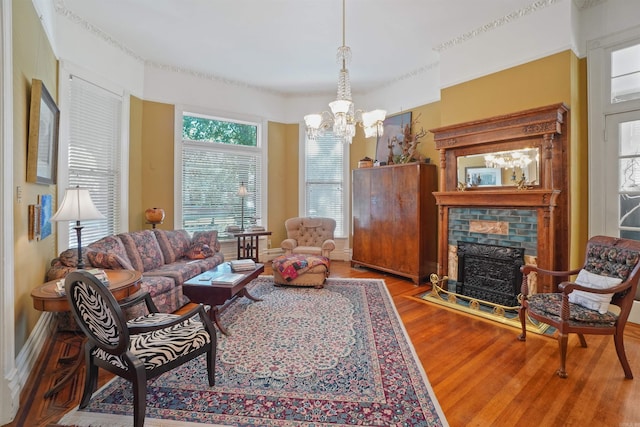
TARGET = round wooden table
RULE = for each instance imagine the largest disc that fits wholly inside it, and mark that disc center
(122, 283)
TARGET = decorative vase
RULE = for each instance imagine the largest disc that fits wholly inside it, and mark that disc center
(154, 215)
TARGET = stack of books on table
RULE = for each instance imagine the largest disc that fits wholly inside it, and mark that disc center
(242, 265)
(227, 279)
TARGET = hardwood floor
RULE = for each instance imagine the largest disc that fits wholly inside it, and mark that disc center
(481, 374)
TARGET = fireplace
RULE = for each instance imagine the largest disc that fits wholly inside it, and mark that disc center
(490, 272)
(532, 214)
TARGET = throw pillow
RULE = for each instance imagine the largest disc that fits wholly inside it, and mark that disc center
(597, 302)
(209, 238)
(199, 251)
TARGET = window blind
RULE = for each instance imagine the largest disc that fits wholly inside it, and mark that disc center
(94, 154)
(211, 176)
(324, 179)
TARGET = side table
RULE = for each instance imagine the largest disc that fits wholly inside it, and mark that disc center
(248, 244)
(122, 283)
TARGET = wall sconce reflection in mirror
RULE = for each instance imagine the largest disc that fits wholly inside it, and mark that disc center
(44, 118)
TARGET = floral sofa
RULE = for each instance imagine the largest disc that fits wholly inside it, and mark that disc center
(166, 260)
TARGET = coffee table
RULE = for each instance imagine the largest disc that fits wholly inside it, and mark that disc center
(219, 296)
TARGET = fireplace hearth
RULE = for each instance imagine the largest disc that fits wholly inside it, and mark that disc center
(489, 272)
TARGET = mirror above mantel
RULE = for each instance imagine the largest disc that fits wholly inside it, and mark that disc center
(500, 169)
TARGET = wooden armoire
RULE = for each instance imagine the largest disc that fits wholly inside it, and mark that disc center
(395, 219)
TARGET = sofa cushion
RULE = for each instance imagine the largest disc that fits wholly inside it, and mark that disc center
(173, 243)
(179, 271)
(108, 252)
(109, 261)
(166, 295)
(143, 250)
(209, 237)
(209, 263)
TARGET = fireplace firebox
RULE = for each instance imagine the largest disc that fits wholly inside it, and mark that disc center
(489, 272)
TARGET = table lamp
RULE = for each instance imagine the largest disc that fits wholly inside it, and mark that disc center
(242, 192)
(77, 206)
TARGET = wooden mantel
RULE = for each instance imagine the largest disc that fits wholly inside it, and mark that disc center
(544, 128)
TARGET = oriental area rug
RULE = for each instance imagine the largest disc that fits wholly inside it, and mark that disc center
(337, 356)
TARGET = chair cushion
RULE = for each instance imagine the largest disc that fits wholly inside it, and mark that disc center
(162, 346)
(598, 302)
(549, 305)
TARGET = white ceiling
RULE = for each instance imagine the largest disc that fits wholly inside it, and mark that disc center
(289, 46)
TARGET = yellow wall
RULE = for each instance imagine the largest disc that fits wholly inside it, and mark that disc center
(157, 164)
(32, 58)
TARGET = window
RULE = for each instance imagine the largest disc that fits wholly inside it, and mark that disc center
(94, 155)
(324, 179)
(218, 155)
(625, 74)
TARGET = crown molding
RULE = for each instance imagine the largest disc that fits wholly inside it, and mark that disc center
(506, 19)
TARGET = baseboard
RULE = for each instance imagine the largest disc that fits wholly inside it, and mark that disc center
(28, 356)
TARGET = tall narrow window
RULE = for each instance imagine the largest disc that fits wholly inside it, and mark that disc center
(219, 155)
(94, 154)
(325, 179)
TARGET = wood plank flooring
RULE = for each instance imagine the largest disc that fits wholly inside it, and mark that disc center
(481, 374)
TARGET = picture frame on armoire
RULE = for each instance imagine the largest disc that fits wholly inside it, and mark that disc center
(42, 149)
(393, 127)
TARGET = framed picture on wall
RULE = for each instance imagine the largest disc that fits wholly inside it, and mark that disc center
(42, 150)
(393, 126)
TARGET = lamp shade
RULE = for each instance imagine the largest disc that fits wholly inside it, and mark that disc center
(242, 191)
(77, 206)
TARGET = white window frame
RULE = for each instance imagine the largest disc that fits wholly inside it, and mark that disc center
(599, 98)
(346, 185)
(68, 69)
(222, 116)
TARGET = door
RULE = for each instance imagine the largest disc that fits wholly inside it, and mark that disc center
(622, 175)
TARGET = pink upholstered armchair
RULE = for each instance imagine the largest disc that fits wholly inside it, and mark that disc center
(309, 236)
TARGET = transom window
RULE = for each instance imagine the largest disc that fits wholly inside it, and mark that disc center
(625, 74)
(218, 156)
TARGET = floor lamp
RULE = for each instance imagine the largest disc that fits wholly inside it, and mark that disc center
(77, 206)
(242, 192)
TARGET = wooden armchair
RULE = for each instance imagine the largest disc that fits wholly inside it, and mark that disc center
(610, 271)
(141, 348)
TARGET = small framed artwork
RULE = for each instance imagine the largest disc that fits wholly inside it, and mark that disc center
(34, 222)
(484, 177)
(393, 126)
(42, 150)
(45, 215)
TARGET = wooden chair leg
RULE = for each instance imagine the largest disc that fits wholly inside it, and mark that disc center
(90, 379)
(562, 344)
(583, 342)
(522, 313)
(211, 366)
(139, 384)
(618, 338)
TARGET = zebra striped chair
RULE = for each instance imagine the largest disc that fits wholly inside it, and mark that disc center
(141, 348)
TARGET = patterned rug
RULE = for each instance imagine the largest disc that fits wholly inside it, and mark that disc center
(337, 356)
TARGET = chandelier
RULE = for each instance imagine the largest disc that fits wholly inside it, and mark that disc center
(343, 116)
(508, 159)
